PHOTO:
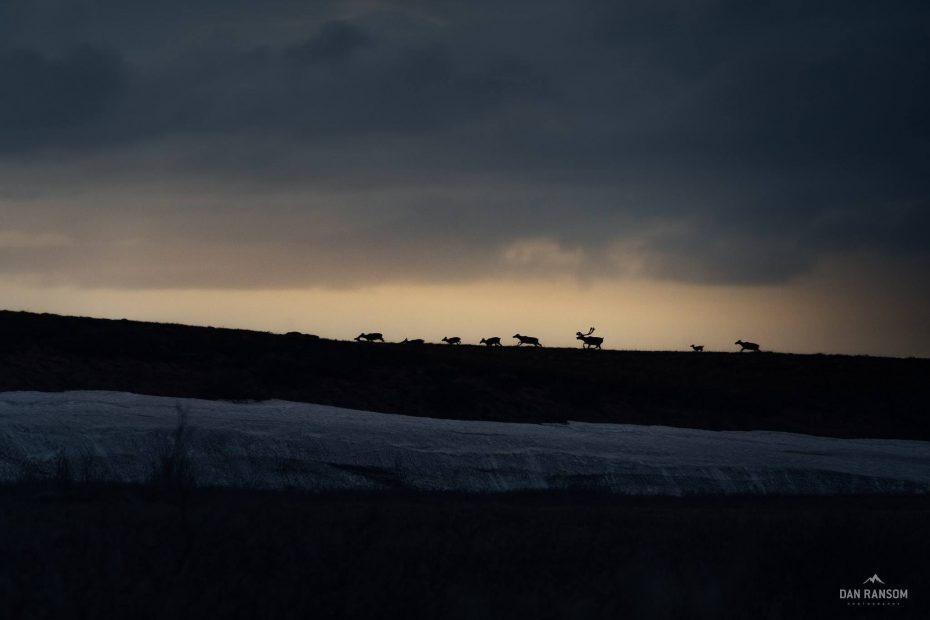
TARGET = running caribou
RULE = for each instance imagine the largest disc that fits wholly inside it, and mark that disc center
(588, 341)
(527, 340)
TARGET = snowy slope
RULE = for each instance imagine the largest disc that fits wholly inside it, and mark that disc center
(275, 444)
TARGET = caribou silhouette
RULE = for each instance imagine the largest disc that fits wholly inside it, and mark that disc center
(453, 340)
(491, 342)
(697, 348)
(414, 341)
(747, 346)
(369, 337)
(588, 341)
(527, 340)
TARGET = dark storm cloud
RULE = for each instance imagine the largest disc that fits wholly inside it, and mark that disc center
(45, 98)
(718, 141)
(336, 39)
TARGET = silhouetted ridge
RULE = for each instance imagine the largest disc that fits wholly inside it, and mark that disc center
(832, 395)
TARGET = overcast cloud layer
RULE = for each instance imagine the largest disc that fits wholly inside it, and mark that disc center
(273, 143)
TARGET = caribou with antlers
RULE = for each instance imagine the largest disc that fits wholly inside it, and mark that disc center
(588, 341)
(369, 337)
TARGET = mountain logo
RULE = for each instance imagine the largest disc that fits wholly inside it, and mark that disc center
(871, 595)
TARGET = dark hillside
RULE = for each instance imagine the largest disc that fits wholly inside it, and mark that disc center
(832, 395)
(138, 553)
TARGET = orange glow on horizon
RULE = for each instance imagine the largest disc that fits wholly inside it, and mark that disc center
(645, 315)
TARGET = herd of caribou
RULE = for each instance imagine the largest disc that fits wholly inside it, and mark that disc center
(587, 341)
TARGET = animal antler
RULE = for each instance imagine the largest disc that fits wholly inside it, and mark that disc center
(590, 331)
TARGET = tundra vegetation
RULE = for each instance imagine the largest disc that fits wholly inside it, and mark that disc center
(830, 395)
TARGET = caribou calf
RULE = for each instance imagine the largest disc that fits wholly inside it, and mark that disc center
(527, 340)
(697, 348)
(369, 337)
(588, 341)
(491, 342)
(453, 340)
(414, 341)
(747, 346)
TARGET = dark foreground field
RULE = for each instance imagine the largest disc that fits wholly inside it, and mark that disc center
(86, 551)
(833, 395)
(143, 553)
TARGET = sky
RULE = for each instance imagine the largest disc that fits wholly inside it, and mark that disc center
(671, 172)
